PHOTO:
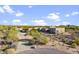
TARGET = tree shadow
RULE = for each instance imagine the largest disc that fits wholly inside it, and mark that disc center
(27, 44)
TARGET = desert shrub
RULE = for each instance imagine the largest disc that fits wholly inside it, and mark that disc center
(76, 41)
(44, 40)
(65, 40)
(73, 45)
(38, 37)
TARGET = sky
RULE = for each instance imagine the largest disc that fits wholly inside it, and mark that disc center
(39, 15)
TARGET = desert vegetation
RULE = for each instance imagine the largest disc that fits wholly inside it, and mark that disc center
(39, 38)
(9, 36)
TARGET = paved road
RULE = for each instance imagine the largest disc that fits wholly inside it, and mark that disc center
(42, 51)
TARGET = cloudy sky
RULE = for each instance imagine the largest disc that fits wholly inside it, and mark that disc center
(39, 14)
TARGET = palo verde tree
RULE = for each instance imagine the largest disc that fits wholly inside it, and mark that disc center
(39, 37)
(12, 34)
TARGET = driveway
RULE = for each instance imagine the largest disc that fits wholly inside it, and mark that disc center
(42, 51)
(25, 49)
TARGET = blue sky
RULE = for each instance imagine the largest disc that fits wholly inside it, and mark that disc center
(39, 15)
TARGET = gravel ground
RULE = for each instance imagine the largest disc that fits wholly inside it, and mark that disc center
(45, 49)
(42, 51)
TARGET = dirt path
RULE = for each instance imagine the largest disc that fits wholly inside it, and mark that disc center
(22, 47)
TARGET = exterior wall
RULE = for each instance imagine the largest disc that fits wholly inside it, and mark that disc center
(60, 30)
(52, 30)
(56, 30)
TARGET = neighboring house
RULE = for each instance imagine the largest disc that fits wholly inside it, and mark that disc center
(24, 30)
(47, 30)
(52, 30)
(18, 28)
(29, 29)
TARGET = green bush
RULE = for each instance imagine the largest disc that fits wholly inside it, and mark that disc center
(44, 40)
(38, 37)
(73, 45)
(76, 41)
(65, 40)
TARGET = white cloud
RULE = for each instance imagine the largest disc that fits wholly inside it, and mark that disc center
(65, 23)
(67, 15)
(54, 17)
(19, 14)
(29, 6)
(74, 13)
(16, 21)
(40, 22)
(2, 10)
(8, 9)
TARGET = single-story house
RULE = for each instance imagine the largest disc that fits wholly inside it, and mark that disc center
(53, 30)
